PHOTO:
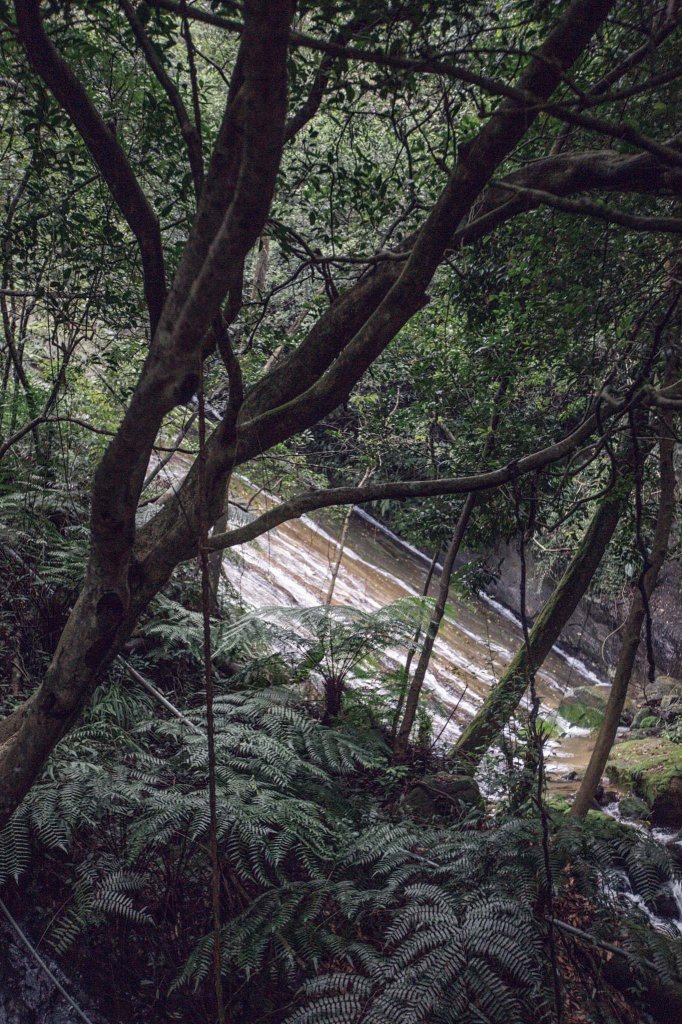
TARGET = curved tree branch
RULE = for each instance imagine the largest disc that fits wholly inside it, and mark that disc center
(103, 147)
(190, 132)
(310, 501)
(587, 207)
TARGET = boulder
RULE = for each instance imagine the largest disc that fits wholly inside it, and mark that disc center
(576, 713)
(665, 905)
(592, 696)
(663, 686)
(605, 828)
(645, 719)
(634, 808)
(559, 803)
(674, 848)
(443, 795)
(671, 706)
(652, 769)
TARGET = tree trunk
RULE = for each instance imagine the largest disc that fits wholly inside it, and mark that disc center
(633, 625)
(333, 696)
(128, 566)
(444, 588)
(215, 561)
(415, 688)
(503, 700)
(412, 651)
(339, 556)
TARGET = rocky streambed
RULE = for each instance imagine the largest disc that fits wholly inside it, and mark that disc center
(644, 772)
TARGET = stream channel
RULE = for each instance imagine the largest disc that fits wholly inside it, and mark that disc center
(292, 565)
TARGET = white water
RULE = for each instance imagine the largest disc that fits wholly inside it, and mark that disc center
(292, 565)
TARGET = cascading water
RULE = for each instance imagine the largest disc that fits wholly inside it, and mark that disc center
(292, 564)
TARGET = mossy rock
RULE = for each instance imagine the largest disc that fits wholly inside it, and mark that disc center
(645, 720)
(671, 709)
(443, 795)
(634, 808)
(592, 696)
(579, 714)
(605, 827)
(664, 686)
(557, 804)
(652, 769)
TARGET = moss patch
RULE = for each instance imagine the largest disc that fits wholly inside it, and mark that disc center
(576, 713)
(652, 769)
(558, 803)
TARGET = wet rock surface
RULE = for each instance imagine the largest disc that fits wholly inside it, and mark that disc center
(27, 994)
(443, 795)
(665, 905)
(593, 631)
(585, 715)
(632, 808)
(652, 769)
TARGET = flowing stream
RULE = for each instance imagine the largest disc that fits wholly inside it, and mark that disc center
(292, 565)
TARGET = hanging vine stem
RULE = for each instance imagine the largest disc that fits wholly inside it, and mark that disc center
(210, 724)
(642, 548)
(526, 530)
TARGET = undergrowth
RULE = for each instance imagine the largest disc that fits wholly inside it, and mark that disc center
(337, 907)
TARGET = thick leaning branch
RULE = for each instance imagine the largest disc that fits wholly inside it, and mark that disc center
(233, 208)
(636, 618)
(370, 316)
(119, 585)
(106, 609)
(503, 699)
(561, 175)
(472, 173)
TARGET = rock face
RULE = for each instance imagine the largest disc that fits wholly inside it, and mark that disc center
(27, 994)
(443, 795)
(660, 709)
(592, 633)
(652, 769)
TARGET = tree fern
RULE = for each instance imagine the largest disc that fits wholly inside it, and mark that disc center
(371, 919)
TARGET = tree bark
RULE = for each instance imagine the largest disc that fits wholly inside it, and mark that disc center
(633, 625)
(412, 650)
(417, 683)
(503, 700)
(415, 688)
(215, 561)
(119, 583)
(333, 698)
